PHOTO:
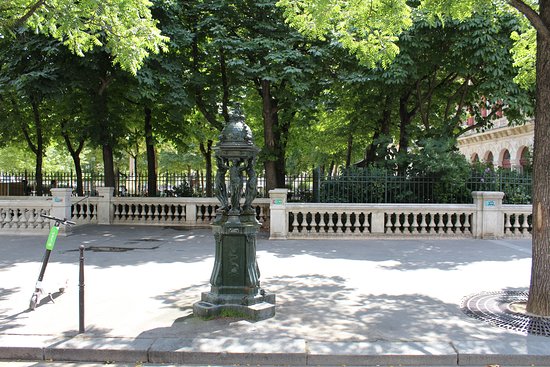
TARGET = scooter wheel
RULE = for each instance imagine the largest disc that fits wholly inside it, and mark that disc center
(33, 302)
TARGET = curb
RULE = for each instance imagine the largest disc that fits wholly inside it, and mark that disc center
(290, 352)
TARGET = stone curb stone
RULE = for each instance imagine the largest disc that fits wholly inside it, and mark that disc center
(25, 347)
(522, 352)
(223, 351)
(82, 348)
(381, 353)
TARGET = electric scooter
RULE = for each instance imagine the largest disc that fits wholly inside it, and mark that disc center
(50, 243)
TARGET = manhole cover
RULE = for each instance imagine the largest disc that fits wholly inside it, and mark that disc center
(501, 309)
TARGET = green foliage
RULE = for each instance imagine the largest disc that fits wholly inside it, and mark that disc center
(437, 159)
(357, 185)
(517, 186)
(367, 28)
(380, 185)
(125, 27)
(183, 190)
(16, 158)
(524, 53)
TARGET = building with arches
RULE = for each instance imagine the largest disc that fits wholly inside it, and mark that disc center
(502, 146)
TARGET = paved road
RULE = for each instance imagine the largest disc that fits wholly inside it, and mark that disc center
(338, 302)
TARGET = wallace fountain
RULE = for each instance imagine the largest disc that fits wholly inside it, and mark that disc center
(235, 281)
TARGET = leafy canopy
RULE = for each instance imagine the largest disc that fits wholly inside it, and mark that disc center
(367, 28)
(370, 28)
(125, 27)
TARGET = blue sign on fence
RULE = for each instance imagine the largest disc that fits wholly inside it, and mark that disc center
(490, 203)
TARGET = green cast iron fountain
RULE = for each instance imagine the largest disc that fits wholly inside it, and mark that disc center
(235, 280)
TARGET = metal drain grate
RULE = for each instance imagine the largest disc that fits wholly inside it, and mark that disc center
(494, 308)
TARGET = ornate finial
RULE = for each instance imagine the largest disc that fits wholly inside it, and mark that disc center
(236, 131)
(236, 113)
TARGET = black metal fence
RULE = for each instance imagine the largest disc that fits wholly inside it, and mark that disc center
(412, 189)
(358, 188)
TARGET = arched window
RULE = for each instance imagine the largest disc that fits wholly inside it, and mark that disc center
(489, 158)
(524, 158)
(505, 161)
(474, 158)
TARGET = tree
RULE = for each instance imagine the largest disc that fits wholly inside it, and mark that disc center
(383, 20)
(125, 27)
(280, 63)
(30, 76)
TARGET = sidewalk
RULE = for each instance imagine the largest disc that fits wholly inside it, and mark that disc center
(369, 302)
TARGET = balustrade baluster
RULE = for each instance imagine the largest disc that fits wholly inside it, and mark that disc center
(525, 224)
(124, 212)
(467, 226)
(338, 222)
(309, 222)
(441, 223)
(149, 212)
(316, 223)
(15, 221)
(300, 222)
(367, 222)
(293, 220)
(516, 226)
(448, 223)
(423, 223)
(401, 223)
(432, 225)
(389, 222)
(34, 216)
(207, 213)
(117, 212)
(414, 224)
(350, 229)
(7, 217)
(507, 224)
(160, 213)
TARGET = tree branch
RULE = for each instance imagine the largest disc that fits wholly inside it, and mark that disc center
(533, 17)
(29, 13)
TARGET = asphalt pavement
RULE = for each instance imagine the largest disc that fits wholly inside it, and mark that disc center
(353, 302)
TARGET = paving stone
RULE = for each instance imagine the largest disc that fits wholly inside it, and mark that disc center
(228, 351)
(523, 352)
(83, 348)
(25, 347)
(380, 353)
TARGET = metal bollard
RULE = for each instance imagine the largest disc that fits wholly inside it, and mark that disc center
(81, 328)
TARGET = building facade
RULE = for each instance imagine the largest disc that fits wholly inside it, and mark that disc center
(502, 146)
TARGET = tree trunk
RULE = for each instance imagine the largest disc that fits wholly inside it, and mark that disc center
(152, 186)
(378, 147)
(207, 154)
(349, 148)
(75, 155)
(105, 128)
(108, 166)
(404, 122)
(39, 148)
(274, 160)
(79, 177)
(404, 136)
(539, 290)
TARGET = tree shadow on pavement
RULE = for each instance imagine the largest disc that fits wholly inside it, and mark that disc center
(109, 246)
(407, 254)
(319, 308)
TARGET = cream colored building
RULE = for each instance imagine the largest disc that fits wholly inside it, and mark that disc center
(504, 146)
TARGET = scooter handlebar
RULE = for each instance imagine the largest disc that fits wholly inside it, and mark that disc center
(59, 220)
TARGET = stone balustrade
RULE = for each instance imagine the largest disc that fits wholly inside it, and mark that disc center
(487, 217)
